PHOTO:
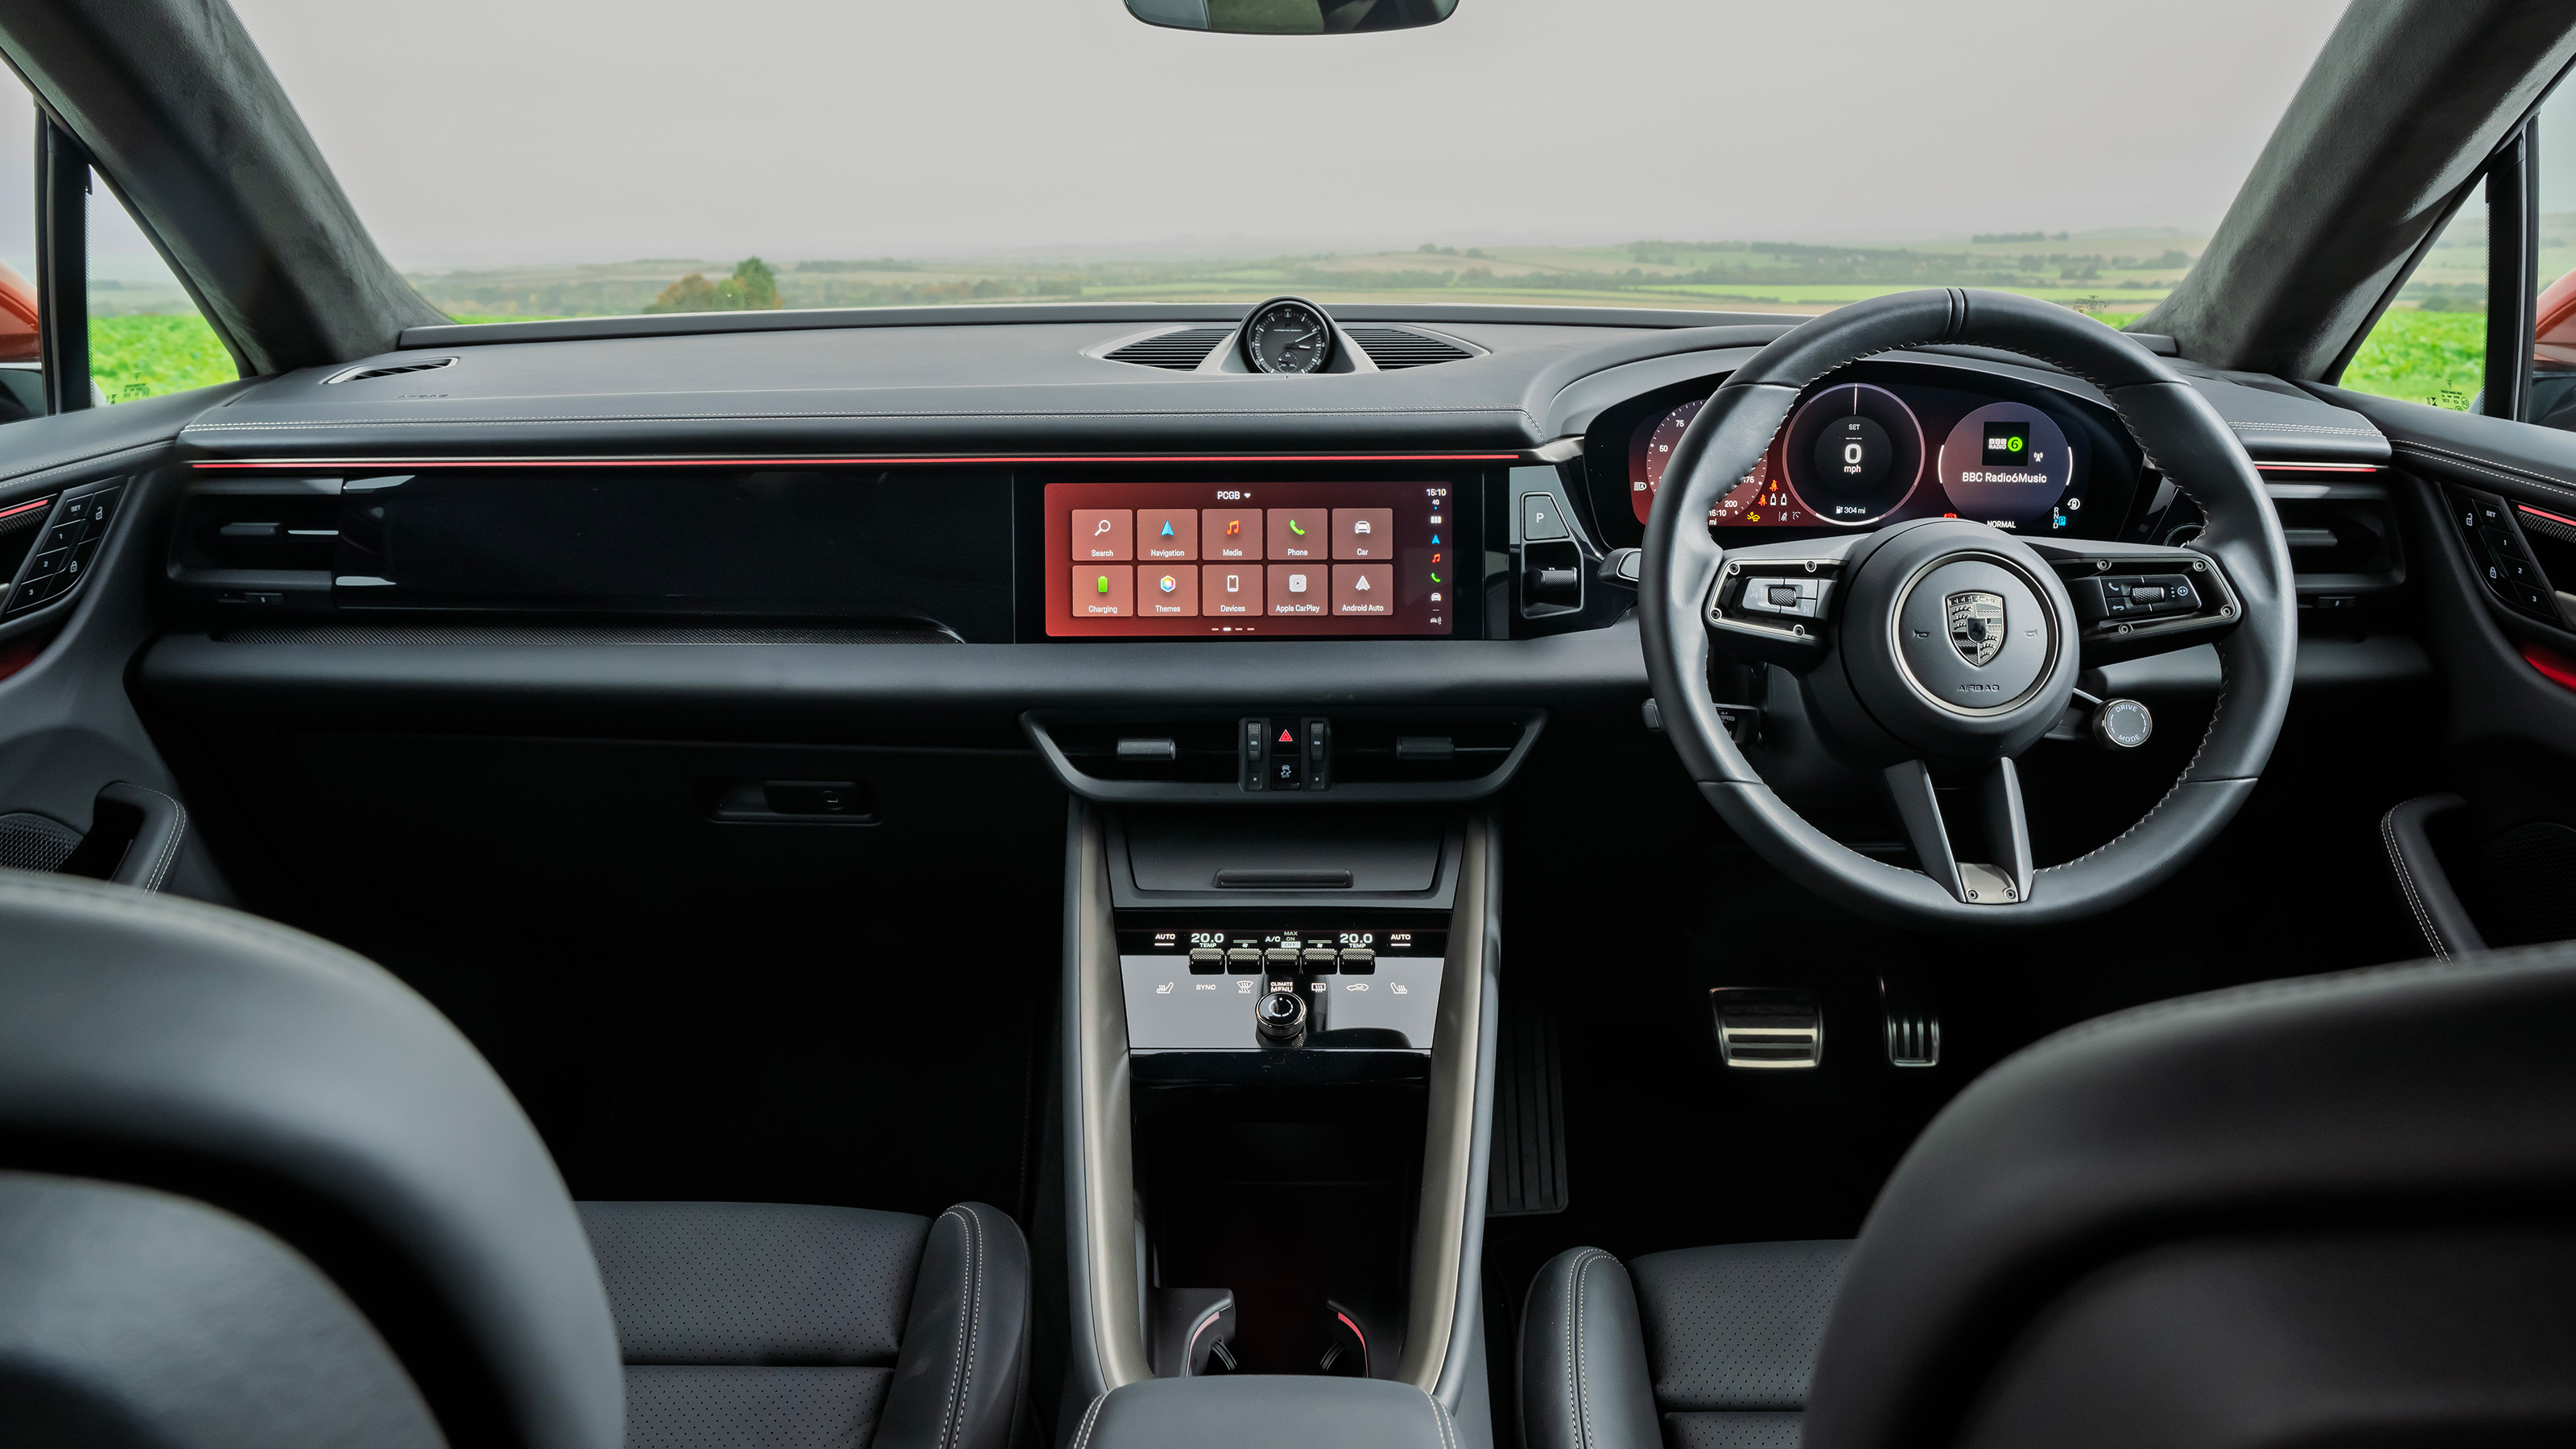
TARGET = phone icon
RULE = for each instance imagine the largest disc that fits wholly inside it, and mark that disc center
(1295, 528)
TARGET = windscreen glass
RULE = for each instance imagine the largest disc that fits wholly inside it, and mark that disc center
(541, 158)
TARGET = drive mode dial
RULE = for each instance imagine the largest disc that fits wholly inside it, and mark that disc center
(1281, 1016)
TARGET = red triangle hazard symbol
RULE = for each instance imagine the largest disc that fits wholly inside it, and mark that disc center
(1286, 739)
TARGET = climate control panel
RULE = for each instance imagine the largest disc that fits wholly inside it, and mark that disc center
(1211, 986)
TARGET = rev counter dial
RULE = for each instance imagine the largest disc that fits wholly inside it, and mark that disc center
(1290, 335)
(1853, 454)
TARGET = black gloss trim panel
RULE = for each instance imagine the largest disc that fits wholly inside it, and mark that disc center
(937, 695)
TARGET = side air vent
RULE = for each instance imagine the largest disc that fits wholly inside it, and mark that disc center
(361, 374)
(1396, 347)
(1180, 351)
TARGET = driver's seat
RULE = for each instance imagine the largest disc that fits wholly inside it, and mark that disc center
(2331, 1211)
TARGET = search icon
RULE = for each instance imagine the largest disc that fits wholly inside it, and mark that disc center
(1103, 528)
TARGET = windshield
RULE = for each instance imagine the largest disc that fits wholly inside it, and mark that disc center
(531, 158)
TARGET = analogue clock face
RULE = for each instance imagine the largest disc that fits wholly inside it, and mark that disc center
(1287, 337)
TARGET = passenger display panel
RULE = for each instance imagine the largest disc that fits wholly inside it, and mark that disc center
(1229, 560)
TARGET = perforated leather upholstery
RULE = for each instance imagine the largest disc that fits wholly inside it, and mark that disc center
(777, 1326)
(1701, 1348)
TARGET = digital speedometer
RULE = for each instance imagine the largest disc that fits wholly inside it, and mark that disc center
(1854, 454)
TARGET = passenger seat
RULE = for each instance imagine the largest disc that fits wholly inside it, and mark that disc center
(772, 1326)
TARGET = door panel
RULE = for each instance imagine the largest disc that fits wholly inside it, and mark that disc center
(2484, 499)
(68, 728)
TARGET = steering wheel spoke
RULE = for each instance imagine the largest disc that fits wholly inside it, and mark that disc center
(2004, 877)
(2138, 599)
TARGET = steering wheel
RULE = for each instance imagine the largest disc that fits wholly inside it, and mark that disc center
(1941, 646)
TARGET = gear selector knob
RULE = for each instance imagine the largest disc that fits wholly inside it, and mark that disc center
(1280, 1016)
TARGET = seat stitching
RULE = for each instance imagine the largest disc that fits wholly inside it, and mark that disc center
(948, 1416)
(169, 847)
(1089, 1418)
(1573, 1403)
(1440, 1422)
(2406, 883)
(1583, 1382)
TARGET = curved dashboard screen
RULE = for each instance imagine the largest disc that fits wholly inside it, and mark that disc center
(1858, 454)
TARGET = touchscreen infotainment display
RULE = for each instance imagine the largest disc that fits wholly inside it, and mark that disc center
(1221, 560)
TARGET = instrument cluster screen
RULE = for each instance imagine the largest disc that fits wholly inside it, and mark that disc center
(1251, 560)
(1856, 455)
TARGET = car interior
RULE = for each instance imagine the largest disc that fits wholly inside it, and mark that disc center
(1121, 874)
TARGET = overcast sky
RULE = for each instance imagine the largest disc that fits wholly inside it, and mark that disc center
(538, 130)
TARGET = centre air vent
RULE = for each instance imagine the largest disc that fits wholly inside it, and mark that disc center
(1180, 351)
(361, 374)
(1392, 348)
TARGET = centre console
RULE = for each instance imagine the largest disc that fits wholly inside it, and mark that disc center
(1278, 1037)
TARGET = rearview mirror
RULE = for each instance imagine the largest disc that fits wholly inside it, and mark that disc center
(1291, 17)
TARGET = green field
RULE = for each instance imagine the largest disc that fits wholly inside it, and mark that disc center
(2426, 357)
(140, 357)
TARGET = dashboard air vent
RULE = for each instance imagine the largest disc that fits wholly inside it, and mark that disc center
(1180, 351)
(1395, 347)
(389, 370)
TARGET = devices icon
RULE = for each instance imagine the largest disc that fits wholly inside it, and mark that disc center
(1234, 583)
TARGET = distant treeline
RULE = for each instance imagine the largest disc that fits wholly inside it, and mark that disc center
(1777, 263)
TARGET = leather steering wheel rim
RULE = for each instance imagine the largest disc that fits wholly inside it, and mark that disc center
(2182, 436)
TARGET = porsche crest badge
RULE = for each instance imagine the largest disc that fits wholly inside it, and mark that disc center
(1977, 626)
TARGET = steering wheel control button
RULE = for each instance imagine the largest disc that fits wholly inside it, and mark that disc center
(1280, 1016)
(1767, 1029)
(1798, 597)
(2122, 724)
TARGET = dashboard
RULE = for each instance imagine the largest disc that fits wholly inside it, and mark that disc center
(1046, 478)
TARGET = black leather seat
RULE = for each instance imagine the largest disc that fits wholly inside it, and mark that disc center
(1700, 1348)
(2335, 1211)
(772, 1325)
(253, 1190)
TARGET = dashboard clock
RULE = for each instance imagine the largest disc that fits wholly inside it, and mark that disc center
(1287, 335)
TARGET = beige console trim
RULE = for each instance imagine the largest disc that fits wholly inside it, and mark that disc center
(1105, 1146)
(1448, 1233)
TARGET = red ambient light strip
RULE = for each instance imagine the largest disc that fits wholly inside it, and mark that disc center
(23, 507)
(2551, 663)
(2262, 466)
(2525, 507)
(273, 464)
